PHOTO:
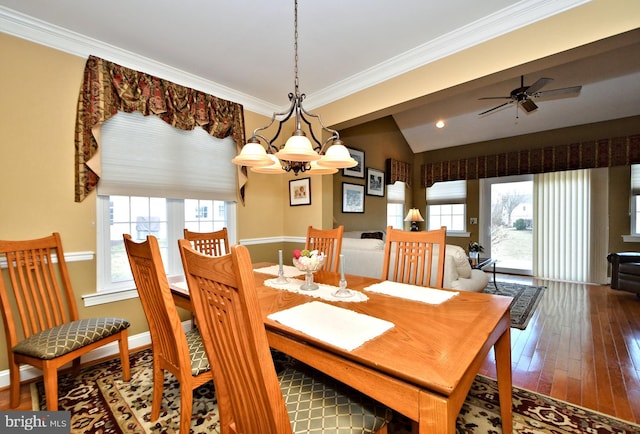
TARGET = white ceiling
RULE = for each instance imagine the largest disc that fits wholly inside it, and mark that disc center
(243, 51)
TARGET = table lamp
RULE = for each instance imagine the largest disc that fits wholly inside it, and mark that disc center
(414, 217)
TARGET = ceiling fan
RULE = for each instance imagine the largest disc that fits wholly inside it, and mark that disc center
(523, 95)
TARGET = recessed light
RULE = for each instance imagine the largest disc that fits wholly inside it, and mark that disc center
(440, 124)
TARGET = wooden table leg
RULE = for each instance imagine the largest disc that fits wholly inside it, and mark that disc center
(503, 371)
(436, 415)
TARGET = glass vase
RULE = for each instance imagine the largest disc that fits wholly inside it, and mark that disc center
(308, 284)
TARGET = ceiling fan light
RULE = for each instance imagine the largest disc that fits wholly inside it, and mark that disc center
(298, 148)
(252, 154)
(337, 156)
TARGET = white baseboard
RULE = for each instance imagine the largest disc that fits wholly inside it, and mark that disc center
(142, 339)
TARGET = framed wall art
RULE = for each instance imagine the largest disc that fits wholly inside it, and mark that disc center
(352, 198)
(356, 171)
(375, 182)
(300, 192)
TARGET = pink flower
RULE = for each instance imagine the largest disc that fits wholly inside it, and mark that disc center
(296, 253)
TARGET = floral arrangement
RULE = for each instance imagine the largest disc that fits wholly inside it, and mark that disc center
(308, 260)
(475, 247)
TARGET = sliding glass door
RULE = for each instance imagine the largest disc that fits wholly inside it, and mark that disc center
(507, 221)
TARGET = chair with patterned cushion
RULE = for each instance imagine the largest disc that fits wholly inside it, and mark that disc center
(327, 241)
(41, 320)
(252, 396)
(181, 354)
(415, 258)
(214, 243)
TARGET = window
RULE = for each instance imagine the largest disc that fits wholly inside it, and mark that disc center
(395, 205)
(157, 180)
(635, 199)
(446, 206)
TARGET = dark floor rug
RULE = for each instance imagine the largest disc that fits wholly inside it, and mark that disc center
(525, 300)
(100, 402)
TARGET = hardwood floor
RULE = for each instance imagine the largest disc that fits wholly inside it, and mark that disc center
(582, 345)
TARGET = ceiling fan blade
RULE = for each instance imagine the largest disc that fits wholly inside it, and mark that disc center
(495, 97)
(555, 92)
(495, 108)
(538, 85)
(528, 105)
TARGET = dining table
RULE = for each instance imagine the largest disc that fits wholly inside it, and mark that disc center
(424, 362)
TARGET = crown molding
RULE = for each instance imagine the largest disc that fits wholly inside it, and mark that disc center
(43, 33)
(504, 21)
(489, 27)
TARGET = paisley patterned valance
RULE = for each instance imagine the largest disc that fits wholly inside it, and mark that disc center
(610, 152)
(108, 88)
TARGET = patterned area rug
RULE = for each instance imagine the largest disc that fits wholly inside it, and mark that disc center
(525, 300)
(100, 402)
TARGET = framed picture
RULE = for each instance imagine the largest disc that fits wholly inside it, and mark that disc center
(356, 171)
(375, 182)
(300, 192)
(352, 197)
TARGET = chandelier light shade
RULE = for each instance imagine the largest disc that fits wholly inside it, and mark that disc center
(414, 217)
(299, 153)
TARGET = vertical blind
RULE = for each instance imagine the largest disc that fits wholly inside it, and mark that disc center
(144, 156)
(571, 239)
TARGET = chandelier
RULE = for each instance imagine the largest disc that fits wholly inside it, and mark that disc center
(298, 154)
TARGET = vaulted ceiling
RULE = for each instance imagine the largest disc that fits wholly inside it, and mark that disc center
(243, 51)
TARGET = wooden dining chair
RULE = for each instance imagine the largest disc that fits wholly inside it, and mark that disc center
(252, 397)
(178, 352)
(41, 321)
(210, 243)
(327, 241)
(416, 258)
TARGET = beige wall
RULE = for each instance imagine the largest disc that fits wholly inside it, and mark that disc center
(39, 88)
(379, 140)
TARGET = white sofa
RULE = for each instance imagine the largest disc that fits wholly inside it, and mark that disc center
(365, 256)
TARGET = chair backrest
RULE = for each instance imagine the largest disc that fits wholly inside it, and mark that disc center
(226, 305)
(416, 258)
(327, 241)
(210, 243)
(167, 335)
(39, 287)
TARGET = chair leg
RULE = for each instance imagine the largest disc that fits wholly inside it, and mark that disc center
(158, 383)
(186, 405)
(50, 376)
(75, 367)
(14, 380)
(123, 344)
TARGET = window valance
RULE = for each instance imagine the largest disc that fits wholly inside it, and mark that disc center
(398, 171)
(611, 152)
(108, 88)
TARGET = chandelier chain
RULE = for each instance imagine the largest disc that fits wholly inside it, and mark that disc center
(295, 48)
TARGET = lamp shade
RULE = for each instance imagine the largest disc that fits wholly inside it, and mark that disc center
(337, 156)
(298, 148)
(271, 169)
(317, 169)
(414, 216)
(252, 154)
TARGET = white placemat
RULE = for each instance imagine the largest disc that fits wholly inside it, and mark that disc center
(411, 292)
(288, 270)
(324, 292)
(337, 326)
